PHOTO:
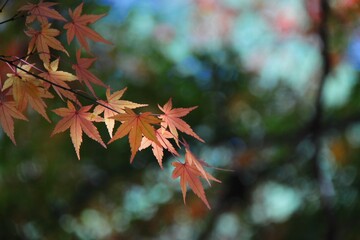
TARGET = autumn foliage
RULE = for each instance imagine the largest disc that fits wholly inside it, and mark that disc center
(36, 76)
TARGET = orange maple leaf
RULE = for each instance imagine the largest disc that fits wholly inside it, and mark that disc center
(192, 160)
(189, 175)
(27, 90)
(59, 78)
(41, 11)
(78, 27)
(113, 101)
(136, 126)
(85, 75)
(162, 136)
(78, 120)
(8, 111)
(190, 172)
(42, 40)
(171, 119)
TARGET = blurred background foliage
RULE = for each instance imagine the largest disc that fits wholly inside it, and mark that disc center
(254, 69)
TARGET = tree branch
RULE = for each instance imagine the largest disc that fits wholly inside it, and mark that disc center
(13, 18)
(326, 188)
(314, 129)
(93, 100)
(3, 6)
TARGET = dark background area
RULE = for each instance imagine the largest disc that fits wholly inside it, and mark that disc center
(276, 87)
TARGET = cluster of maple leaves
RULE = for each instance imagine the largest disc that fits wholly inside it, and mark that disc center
(29, 84)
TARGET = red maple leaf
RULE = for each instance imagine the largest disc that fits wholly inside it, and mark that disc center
(158, 150)
(78, 27)
(83, 74)
(171, 119)
(114, 103)
(78, 120)
(41, 11)
(189, 175)
(26, 89)
(192, 160)
(8, 111)
(42, 40)
(60, 78)
(136, 126)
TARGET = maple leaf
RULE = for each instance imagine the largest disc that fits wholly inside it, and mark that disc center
(192, 160)
(162, 137)
(190, 172)
(189, 175)
(27, 90)
(171, 119)
(135, 125)
(8, 111)
(42, 40)
(78, 27)
(59, 78)
(78, 120)
(85, 75)
(113, 101)
(41, 11)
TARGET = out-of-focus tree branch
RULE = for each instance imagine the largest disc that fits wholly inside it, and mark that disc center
(313, 130)
(326, 188)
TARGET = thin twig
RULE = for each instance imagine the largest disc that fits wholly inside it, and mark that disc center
(93, 100)
(16, 16)
(3, 6)
(17, 58)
